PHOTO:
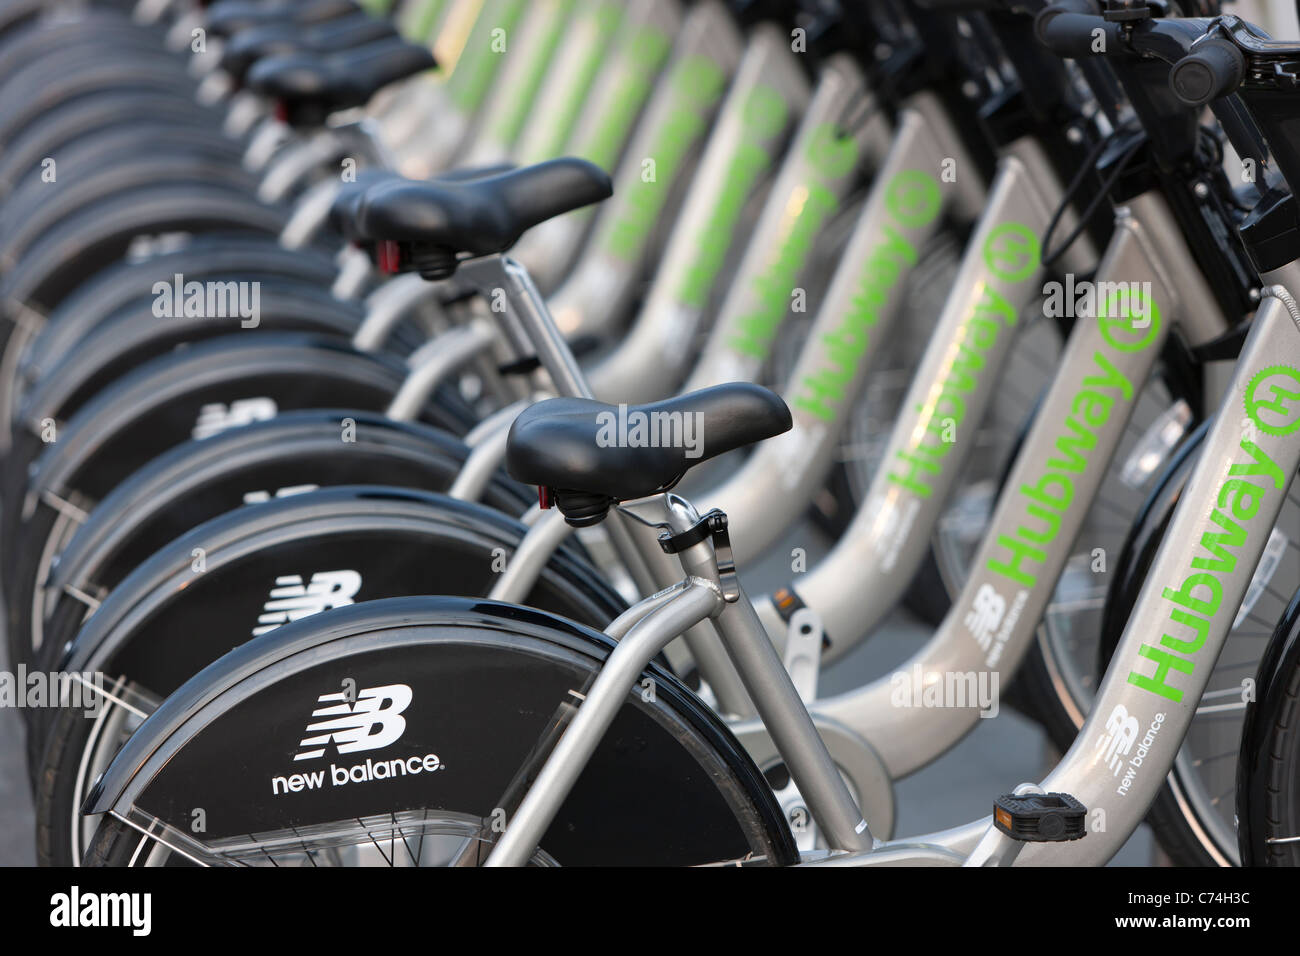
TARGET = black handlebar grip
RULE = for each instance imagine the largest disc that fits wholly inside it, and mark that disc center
(1073, 35)
(1214, 69)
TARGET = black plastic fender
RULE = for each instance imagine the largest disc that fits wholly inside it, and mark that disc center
(54, 265)
(117, 347)
(668, 784)
(118, 287)
(300, 367)
(201, 479)
(379, 527)
(252, 570)
(41, 40)
(157, 406)
(79, 191)
(16, 14)
(38, 88)
(80, 123)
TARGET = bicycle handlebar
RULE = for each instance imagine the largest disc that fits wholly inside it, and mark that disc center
(1075, 35)
(1209, 58)
(1213, 70)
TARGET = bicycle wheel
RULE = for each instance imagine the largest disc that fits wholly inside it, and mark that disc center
(113, 113)
(124, 285)
(263, 566)
(1195, 815)
(1268, 800)
(198, 391)
(201, 479)
(479, 687)
(1027, 372)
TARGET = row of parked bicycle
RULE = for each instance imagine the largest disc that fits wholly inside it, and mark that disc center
(302, 296)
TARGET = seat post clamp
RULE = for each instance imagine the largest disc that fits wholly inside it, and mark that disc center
(712, 524)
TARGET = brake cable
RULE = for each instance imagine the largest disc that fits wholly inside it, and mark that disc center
(1280, 292)
(1077, 182)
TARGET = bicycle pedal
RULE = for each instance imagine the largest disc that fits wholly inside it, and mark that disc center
(1040, 817)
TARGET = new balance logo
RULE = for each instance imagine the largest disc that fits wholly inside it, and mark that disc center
(985, 615)
(375, 720)
(1115, 745)
(217, 416)
(289, 599)
(257, 497)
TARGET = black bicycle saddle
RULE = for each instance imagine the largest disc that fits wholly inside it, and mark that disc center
(590, 454)
(344, 208)
(228, 17)
(442, 220)
(281, 37)
(310, 86)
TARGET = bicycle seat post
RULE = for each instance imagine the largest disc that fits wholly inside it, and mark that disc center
(702, 545)
(531, 330)
(526, 322)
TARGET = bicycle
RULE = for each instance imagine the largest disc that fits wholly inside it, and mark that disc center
(548, 446)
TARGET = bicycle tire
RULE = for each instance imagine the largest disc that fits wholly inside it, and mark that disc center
(1268, 802)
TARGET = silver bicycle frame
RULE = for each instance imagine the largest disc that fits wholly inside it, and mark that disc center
(1056, 474)
(926, 139)
(465, 41)
(767, 95)
(393, 300)
(822, 165)
(1153, 685)
(1155, 680)
(507, 105)
(906, 207)
(585, 45)
(528, 328)
(294, 166)
(1000, 275)
(705, 55)
(618, 95)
